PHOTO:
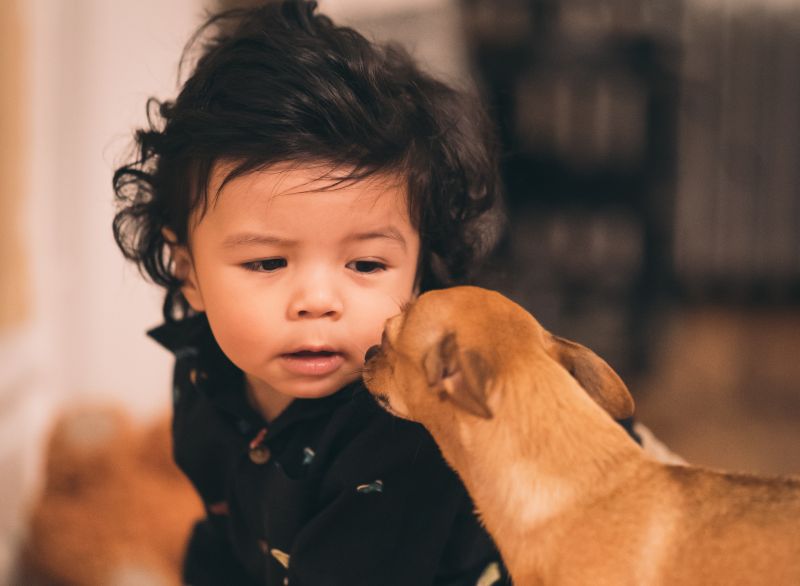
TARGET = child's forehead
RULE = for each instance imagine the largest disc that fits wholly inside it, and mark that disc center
(290, 188)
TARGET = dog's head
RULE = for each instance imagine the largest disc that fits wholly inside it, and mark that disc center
(452, 354)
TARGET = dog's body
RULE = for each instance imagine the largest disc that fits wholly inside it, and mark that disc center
(567, 496)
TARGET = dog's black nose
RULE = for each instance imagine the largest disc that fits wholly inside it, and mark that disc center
(371, 351)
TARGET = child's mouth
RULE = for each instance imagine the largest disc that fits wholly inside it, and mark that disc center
(312, 363)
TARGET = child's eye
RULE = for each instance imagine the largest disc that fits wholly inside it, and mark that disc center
(265, 266)
(367, 266)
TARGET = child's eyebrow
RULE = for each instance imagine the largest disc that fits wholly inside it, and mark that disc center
(389, 232)
(251, 238)
(245, 238)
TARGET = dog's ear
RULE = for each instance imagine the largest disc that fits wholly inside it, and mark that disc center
(462, 377)
(595, 375)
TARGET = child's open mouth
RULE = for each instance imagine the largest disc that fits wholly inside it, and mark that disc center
(312, 363)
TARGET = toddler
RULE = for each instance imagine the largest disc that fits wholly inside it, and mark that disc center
(303, 186)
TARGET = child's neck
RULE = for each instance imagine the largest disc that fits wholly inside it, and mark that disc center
(268, 402)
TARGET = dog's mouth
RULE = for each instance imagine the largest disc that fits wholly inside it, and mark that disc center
(383, 401)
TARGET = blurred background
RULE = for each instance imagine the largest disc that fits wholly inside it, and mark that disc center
(650, 154)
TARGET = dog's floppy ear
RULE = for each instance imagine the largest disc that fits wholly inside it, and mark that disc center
(595, 375)
(459, 376)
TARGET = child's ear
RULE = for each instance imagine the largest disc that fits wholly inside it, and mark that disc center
(183, 269)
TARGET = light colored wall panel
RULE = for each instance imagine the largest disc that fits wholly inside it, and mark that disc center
(14, 284)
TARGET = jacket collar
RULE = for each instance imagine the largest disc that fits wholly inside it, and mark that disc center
(177, 335)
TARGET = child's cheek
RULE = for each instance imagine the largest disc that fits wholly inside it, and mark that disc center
(373, 318)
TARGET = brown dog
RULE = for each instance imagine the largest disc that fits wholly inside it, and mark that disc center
(569, 498)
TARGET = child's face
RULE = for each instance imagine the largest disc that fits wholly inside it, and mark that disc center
(280, 265)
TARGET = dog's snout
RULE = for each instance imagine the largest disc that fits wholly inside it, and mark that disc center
(371, 351)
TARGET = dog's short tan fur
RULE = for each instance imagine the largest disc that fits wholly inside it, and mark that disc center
(568, 497)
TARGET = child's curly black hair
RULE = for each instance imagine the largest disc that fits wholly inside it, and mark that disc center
(281, 83)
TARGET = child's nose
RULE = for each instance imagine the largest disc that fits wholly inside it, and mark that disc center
(315, 302)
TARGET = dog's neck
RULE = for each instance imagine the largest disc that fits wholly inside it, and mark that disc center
(547, 448)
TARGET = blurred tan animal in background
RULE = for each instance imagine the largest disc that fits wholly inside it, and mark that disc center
(525, 418)
(114, 510)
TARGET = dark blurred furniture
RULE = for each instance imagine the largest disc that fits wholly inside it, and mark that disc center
(738, 207)
(585, 97)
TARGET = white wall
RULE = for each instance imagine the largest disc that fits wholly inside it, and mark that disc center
(91, 64)
(94, 64)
